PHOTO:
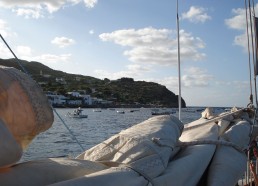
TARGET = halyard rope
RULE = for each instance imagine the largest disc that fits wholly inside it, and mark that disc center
(249, 60)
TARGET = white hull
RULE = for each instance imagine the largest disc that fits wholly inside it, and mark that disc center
(76, 115)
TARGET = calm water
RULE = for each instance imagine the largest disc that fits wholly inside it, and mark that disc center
(90, 131)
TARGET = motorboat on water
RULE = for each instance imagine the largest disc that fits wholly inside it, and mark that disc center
(77, 113)
(73, 115)
(163, 113)
(96, 110)
(120, 111)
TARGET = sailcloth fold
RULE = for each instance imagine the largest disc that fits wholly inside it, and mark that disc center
(145, 147)
(228, 159)
(159, 151)
(190, 163)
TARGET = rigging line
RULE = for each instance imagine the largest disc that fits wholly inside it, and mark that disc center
(249, 60)
(25, 71)
(68, 129)
(251, 24)
(179, 73)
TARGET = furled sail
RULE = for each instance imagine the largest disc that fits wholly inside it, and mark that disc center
(24, 113)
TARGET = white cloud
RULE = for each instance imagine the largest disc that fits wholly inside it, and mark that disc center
(156, 46)
(50, 58)
(90, 3)
(91, 32)
(196, 15)
(238, 22)
(138, 68)
(5, 52)
(23, 51)
(142, 37)
(116, 75)
(5, 30)
(37, 5)
(241, 85)
(170, 82)
(62, 41)
(38, 8)
(28, 13)
(196, 77)
(193, 77)
(133, 71)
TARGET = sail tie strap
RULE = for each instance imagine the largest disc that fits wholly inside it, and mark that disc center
(140, 172)
(128, 166)
(211, 142)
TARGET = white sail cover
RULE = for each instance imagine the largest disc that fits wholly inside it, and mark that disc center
(145, 147)
(228, 159)
(160, 151)
(188, 166)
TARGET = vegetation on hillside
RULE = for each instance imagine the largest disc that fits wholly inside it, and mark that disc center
(124, 91)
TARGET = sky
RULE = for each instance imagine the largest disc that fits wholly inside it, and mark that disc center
(137, 39)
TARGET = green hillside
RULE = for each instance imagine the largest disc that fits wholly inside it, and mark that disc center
(124, 91)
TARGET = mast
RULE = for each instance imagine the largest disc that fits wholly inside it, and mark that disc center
(255, 52)
(178, 57)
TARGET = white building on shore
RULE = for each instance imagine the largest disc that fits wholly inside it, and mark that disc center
(74, 98)
(56, 99)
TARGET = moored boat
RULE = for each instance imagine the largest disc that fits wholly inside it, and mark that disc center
(73, 115)
(77, 113)
(120, 111)
(163, 113)
(96, 110)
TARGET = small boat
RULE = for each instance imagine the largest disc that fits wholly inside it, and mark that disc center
(77, 113)
(74, 115)
(189, 110)
(163, 113)
(120, 112)
(134, 110)
(96, 110)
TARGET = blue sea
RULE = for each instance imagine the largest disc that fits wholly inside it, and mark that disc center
(99, 126)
